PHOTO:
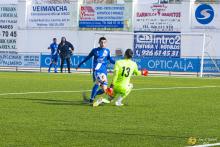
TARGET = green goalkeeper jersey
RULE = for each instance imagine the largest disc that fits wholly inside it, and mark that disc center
(123, 71)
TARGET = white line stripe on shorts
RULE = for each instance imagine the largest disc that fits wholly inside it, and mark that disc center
(205, 145)
(80, 91)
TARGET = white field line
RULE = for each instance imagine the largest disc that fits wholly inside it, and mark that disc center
(205, 145)
(42, 92)
(170, 88)
(80, 91)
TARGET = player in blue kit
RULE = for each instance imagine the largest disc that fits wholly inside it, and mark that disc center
(101, 56)
(54, 55)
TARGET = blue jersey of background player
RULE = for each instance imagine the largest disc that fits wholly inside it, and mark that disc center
(54, 55)
(101, 56)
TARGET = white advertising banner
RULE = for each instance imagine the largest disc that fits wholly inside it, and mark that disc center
(8, 1)
(25, 60)
(205, 16)
(50, 1)
(44, 15)
(157, 17)
(102, 16)
(8, 27)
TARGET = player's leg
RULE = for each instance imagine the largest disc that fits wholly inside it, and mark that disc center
(103, 100)
(94, 91)
(128, 90)
(94, 88)
(55, 64)
(51, 63)
(92, 96)
(101, 80)
(124, 93)
(61, 64)
(101, 91)
(50, 66)
(68, 64)
(103, 85)
(118, 92)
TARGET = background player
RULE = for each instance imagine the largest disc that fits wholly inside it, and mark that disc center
(123, 71)
(54, 55)
(101, 56)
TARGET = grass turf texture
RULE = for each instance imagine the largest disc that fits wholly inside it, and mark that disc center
(151, 118)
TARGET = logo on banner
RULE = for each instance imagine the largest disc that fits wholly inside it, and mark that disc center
(204, 14)
(144, 38)
(87, 13)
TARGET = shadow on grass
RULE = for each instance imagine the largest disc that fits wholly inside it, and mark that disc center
(48, 101)
(61, 102)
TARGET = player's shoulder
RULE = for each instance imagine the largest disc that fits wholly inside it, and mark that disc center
(94, 50)
(68, 43)
(127, 62)
(107, 49)
(119, 61)
(54, 44)
(133, 62)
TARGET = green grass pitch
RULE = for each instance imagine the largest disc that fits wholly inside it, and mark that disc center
(152, 117)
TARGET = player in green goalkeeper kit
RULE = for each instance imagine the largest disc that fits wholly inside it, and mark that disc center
(121, 85)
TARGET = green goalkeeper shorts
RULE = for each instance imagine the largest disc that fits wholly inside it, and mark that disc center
(122, 90)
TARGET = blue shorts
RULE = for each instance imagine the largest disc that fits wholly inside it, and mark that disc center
(54, 59)
(100, 77)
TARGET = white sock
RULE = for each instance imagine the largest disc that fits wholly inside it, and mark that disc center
(120, 99)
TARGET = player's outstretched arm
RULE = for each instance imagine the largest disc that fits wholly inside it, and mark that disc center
(115, 73)
(112, 61)
(143, 72)
(85, 59)
(109, 57)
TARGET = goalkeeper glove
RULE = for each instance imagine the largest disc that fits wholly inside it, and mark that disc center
(144, 72)
(109, 91)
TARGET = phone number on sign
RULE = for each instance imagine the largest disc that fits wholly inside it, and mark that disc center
(158, 53)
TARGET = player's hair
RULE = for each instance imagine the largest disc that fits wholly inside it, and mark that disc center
(129, 53)
(54, 39)
(102, 38)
